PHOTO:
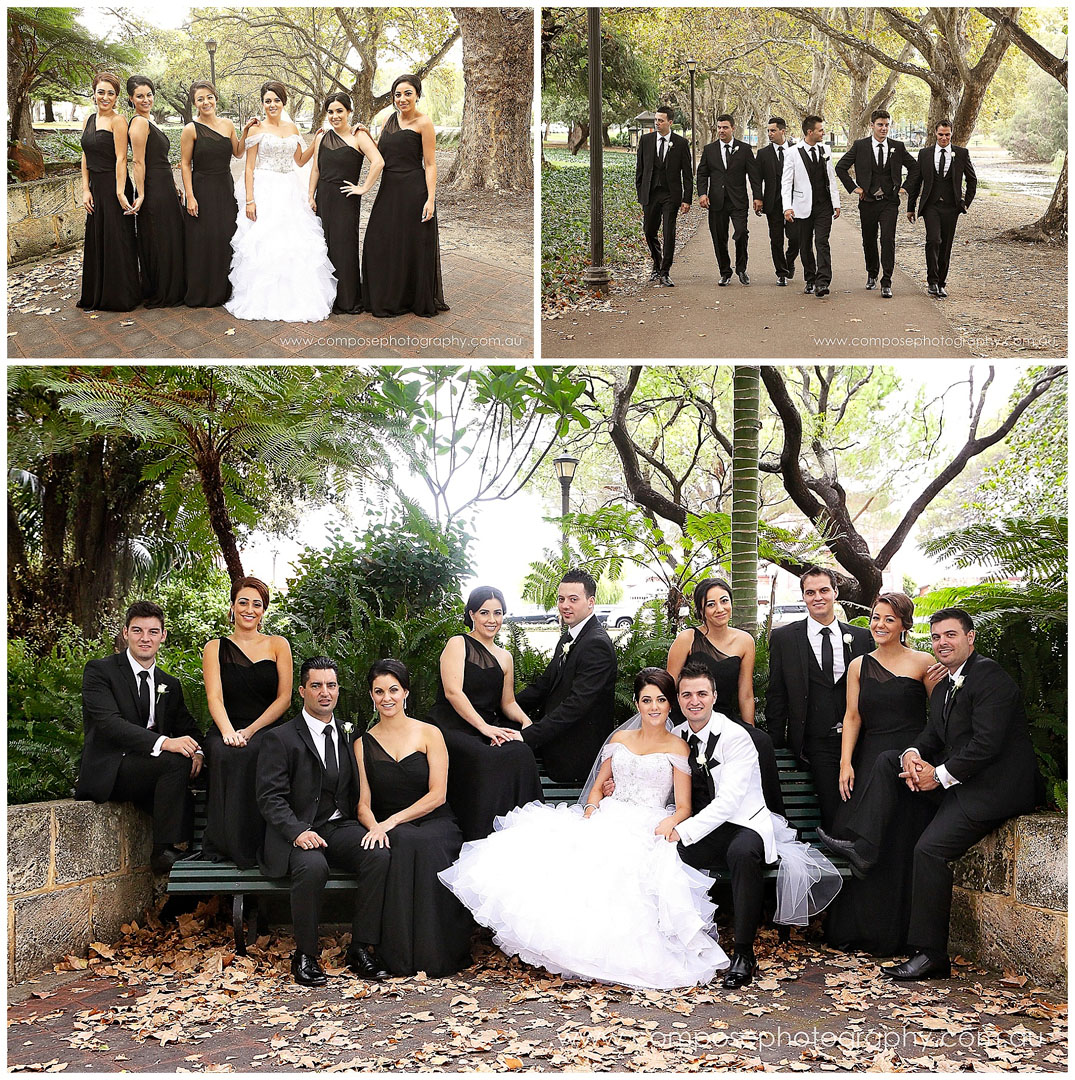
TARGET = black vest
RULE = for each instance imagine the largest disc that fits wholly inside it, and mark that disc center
(881, 178)
(819, 181)
(331, 801)
(659, 178)
(943, 190)
(825, 702)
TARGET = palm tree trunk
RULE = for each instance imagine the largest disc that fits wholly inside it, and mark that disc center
(745, 486)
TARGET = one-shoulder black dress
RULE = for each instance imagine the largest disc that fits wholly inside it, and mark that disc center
(424, 927)
(234, 827)
(337, 163)
(484, 781)
(401, 255)
(159, 225)
(207, 238)
(873, 914)
(110, 255)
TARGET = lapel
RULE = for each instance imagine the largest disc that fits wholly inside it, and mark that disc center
(845, 628)
(160, 706)
(560, 668)
(307, 738)
(806, 654)
(131, 683)
(950, 702)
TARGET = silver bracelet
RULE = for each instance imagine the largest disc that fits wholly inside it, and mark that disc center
(593, 804)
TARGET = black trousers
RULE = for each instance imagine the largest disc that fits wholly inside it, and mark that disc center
(779, 231)
(823, 756)
(940, 222)
(161, 787)
(660, 214)
(813, 249)
(718, 229)
(949, 835)
(310, 870)
(879, 215)
(740, 851)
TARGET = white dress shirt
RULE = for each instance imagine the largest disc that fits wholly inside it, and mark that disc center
(874, 144)
(317, 730)
(814, 636)
(575, 630)
(152, 669)
(947, 160)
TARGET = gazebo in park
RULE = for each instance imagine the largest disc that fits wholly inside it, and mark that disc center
(643, 122)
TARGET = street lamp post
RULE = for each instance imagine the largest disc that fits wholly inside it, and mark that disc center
(211, 46)
(691, 66)
(565, 467)
(596, 275)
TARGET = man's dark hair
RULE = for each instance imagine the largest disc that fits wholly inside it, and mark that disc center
(811, 122)
(667, 110)
(779, 121)
(580, 577)
(144, 609)
(696, 670)
(728, 117)
(817, 571)
(943, 123)
(956, 613)
(879, 114)
(317, 663)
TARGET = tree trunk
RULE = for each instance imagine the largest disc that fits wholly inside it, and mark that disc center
(212, 482)
(49, 116)
(745, 488)
(1052, 226)
(498, 75)
(577, 137)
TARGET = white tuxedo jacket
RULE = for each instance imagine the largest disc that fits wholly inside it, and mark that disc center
(736, 784)
(795, 190)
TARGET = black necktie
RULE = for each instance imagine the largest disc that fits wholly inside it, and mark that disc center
(880, 155)
(727, 154)
(332, 766)
(949, 694)
(143, 697)
(813, 153)
(694, 744)
(942, 161)
(780, 157)
(660, 151)
(826, 654)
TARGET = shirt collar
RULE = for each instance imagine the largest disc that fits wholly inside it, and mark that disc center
(713, 726)
(814, 628)
(575, 630)
(317, 727)
(953, 675)
(137, 667)
(879, 142)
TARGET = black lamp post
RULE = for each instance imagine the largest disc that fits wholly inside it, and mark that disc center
(596, 275)
(211, 46)
(565, 467)
(691, 66)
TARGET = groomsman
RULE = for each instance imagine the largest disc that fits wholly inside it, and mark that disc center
(141, 743)
(730, 827)
(878, 162)
(723, 171)
(770, 168)
(810, 198)
(943, 168)
(807, 694)
(974, 761)
(664, 175)
(575, 695)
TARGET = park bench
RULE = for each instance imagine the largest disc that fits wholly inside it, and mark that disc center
(200, 877)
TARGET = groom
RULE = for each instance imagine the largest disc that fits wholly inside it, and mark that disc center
(730, 828)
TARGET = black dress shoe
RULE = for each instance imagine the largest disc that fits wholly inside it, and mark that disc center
(920, 966)
(886, 291)
(821, 290)
(667, 282)
(859, 863)
(942, 292)
(781, 280)
(742, 275)
(162, 858)
(932, 289)
(871, 282)
(791, 273)
(655, 275)
(307, 971)
(809, 287)
(741, 973)
(725, 278)
(366, 964)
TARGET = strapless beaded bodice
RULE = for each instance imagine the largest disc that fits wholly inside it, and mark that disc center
(275, 154)
(643, 780)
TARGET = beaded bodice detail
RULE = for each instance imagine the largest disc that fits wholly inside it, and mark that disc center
(643, 780)
(275, 154)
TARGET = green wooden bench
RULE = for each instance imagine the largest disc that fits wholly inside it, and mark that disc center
(196, 876)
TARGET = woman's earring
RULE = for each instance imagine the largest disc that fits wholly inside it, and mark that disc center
(231, 616)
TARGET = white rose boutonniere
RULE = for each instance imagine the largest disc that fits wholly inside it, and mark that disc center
(348, 728)
(703, 763)
(161, 690)
(566, 649)
(848, 639)
(957, 683)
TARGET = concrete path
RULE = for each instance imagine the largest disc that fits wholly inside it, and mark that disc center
(699, 320)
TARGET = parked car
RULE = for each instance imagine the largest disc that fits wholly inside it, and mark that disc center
(534, 617)
(788, 613)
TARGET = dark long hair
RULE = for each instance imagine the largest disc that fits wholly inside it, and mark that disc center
(392, 123)
(339, 96)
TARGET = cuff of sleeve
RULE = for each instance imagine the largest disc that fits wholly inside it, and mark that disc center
(684, 834)
(945, 778)
(157, 746)
(906, 752)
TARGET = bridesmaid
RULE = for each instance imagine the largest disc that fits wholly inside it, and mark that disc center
(206, 148)
(160, 213)
(110, 256)
(334, 177)
(248, 685)
(401, 255)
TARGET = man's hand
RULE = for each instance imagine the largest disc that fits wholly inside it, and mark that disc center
(703, 202)
(912, 769)
(184, 745)
(789, 215)
(860, 193)
(835, 213)
(684, 207)
(673, 837)
(309, 840)
(910, 216)
(927, 778)
(196, 767)
(759, 205)
(608, 787)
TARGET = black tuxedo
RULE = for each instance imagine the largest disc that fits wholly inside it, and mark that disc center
(117, 763)
(728, 200)
(292, 797)
(979, 734)
(878, 213)
(770, 174)
(943, 199)
(575, 696)
(797, 712)
(662, 187)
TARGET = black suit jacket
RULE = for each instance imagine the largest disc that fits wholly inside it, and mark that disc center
(289, 781)
(112, 726)
(769, 177)
(576, 701)
(860, 158)
(787, 698)
(677, 166)
(961, 170)
(727, 187)
(983, 742)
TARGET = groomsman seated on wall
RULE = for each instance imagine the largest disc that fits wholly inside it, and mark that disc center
(308, 790)
(141, 742)
(974, 761)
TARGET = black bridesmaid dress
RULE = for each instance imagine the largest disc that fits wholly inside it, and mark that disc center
(110, 256)
(159, 225)
(401, 256)
(873, 914)
(337, 163)
(234, 827)
(725, 671)
(484, 781)
(207, 238)
(424, 927)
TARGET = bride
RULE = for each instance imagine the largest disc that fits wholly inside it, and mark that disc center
(601, 894)
(280, 267)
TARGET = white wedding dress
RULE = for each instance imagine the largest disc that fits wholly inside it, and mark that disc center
(280, 267)
(602, 898)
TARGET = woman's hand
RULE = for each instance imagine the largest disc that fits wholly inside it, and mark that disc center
(252, 211)
(233, 737)
(376, 837)
(428, 210)
(122, 198)
(87, 201)
(847, 780)
(313, 204)
(192, 206)
(137, 204)
(354, 189)
(589, 812)
(498, 735)
(252, 122)
(665, 828)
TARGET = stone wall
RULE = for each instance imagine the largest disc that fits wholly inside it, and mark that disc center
(1009, 909)
(76, 872)
(44, 217)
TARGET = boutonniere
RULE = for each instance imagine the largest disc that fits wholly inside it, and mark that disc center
(703, 761)
(161, 690)
(848, 639)
(567, 648)
(348, 728)
(957, 683)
